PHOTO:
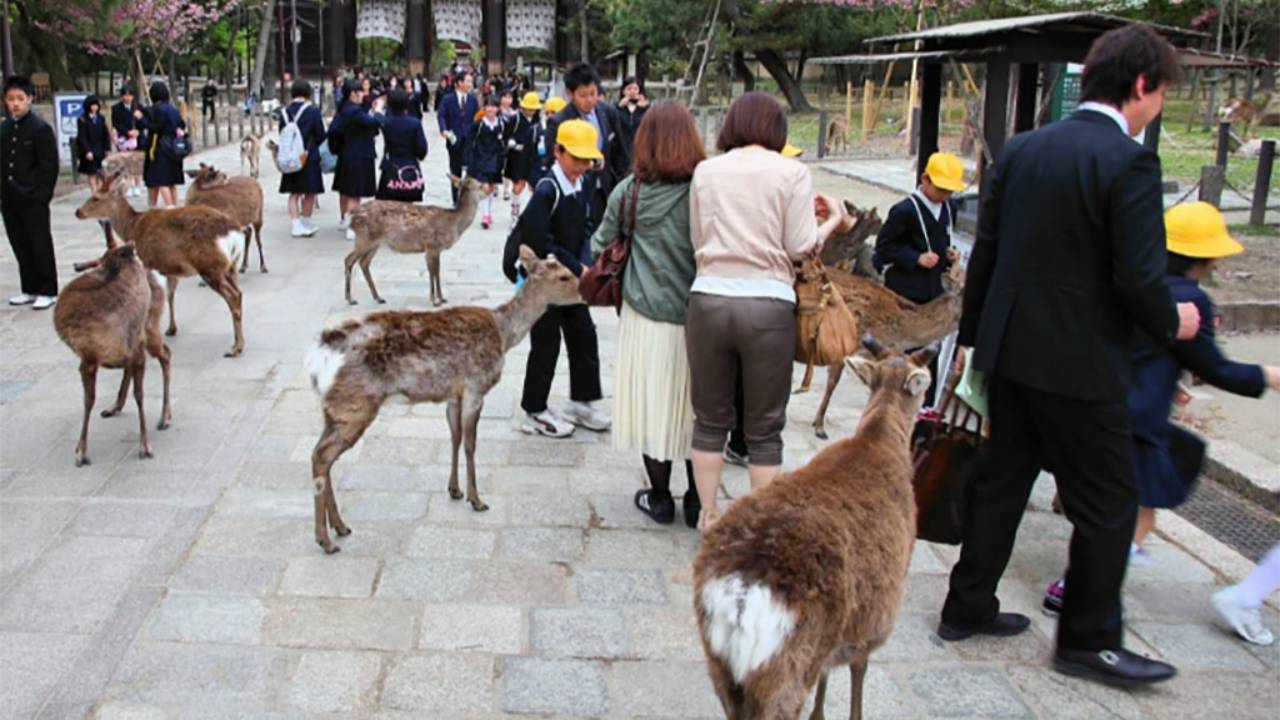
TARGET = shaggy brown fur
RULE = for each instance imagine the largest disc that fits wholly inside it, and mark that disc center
(891, 319)
(250, 150)
(410, 228)
(110, 317)
(176, 243)
(1264, 110)
(848, 249)
(239, 197)
(128, 163)
(832, 542)
(453, 356)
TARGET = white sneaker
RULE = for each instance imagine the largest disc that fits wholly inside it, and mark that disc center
(1138, 556)
(1247, 622)
(298, 228)
(547, 424)
(22, 299)
(43, 302)
(310, 227)
(584, 415)
(345, 222)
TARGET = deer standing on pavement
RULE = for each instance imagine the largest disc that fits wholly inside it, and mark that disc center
(807, 573)
(178, 243)
(250, 151)
(410, 228)
(110, 317)
(453, 356)
(240, 198)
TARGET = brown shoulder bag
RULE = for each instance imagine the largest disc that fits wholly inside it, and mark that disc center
(601, 284)
(826, 330)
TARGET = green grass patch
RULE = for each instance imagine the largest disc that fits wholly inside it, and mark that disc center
(1256, 230)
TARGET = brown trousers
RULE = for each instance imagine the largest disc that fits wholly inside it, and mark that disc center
(759, 332)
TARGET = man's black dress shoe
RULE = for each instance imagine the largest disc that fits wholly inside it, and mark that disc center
(1004, 625)
(1113, 667)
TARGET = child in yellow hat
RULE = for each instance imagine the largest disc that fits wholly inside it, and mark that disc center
(522, 152)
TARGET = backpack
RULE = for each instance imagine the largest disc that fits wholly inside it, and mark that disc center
(511, 251)
(291, 156)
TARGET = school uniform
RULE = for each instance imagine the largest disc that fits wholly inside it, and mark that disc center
(912, 228)
(29, 155)
(562, 233)
(522, 156)
(539, 159)
(310, 179)
(1168, 458)
(122, 121)
(404, 145)
(598, 183)
(456, 113)
(354, 176)
(91, 137)
(486, 149)
(158, 169)
(415, 107)
(629, 117)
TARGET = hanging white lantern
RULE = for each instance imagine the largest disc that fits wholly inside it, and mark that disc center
(381, 19)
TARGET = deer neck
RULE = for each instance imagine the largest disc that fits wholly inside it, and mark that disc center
(888, 415)
(935, 319)
(122, 217)
(468, 203)
(516, 316)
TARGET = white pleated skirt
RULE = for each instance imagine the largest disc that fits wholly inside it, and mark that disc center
(652, 409)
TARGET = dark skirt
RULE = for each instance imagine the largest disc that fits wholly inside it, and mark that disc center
(90, 167)
(355, 177)
(162, 172)
(307, 181)
(518, 165)
(489, 178)
(1167, 466)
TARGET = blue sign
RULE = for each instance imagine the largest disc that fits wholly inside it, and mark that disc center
(67, 108)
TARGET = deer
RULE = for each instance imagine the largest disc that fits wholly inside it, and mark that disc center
(847, 247)
(807, 573)
(410, 228)
(454, 356)
(897, 323)
(250, 150)
(124, 162)
(177, 243)
(837, 136)
(240, 198)
(110, 317)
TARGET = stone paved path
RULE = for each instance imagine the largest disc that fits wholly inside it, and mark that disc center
(188, 586)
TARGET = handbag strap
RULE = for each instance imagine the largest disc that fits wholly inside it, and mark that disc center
(635, 199)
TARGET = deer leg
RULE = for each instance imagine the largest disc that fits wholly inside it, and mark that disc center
(433, 268)
(820, 420)
(348, 263)
(139, 370)
(122, 395)
(225, 287)
(471, 419)
(365, 261)
(89, 378)
(454, 413)
(171, 282)
(247, 230)
(857, 672)
(257, 236)
(820, 699)
(160, 351)
(338, 436)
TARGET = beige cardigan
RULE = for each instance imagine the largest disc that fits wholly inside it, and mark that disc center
(751, 215)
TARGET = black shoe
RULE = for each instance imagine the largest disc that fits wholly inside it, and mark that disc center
(659, 507)
(692, 507)
(1004, 625)
(1112, 667)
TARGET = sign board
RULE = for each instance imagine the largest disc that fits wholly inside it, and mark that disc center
(1066, 94)
(67, 108)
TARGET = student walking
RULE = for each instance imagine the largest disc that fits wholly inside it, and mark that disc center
(129, 135)
(93, 141)
(544, 155)
(161, 170)
(583, 85)
(555, 224)
(653, 412)
(31, 155)
(1238, 605)
(404, 146)
(455, 116)
(486, 148)
(303, 186)
(510, 117)
(522, 149)
(356, 128)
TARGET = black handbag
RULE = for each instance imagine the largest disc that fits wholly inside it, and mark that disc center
(401, 180)
(174, 147)
(945, 456)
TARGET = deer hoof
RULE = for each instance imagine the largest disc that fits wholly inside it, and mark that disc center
(110, 413)
(455, 493)
(233, 352)
(262, 270)
(342, 531)
(821, 433)
(164, 425)
(328, 546)
(244, 269)
(82, 460)
(381, 301)
(478, 506)
(171, 331)
(145, 454)
(351, 301)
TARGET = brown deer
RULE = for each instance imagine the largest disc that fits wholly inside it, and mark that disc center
(410, 228)
(125, 162)
(239, 197)
(250, 150)
(110, 317)
(178, 243)
(847, 248)
(453, 356)
(807, 573)
(1261, 111)
(837, 135)
(897, 323)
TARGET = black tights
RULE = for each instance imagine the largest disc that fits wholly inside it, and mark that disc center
(659, 472)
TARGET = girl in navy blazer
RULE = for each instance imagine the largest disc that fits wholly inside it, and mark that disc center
(404, 145)
(303, 186)
(486, 148)
(354, 178)
(161, 172)
(92, 140)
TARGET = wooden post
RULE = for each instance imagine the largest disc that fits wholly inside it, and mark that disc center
(906, 106)
(217, 130)
(1024, 112)
(951, 101)
(868, 115)
(1224, 144)
(822, 133)
(1262, 185)
(848, 108)
(1211, 180)
(994, 111)
(926, 139)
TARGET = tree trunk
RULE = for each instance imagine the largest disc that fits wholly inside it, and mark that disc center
(777, 67)
(743, 72)
(1273, 56)
(229, 60)
(264, 41)
(582, 21)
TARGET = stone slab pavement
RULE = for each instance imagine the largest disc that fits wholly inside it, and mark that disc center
(188, 586)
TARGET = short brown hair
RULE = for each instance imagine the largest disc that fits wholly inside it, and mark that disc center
(1119, 57)
(667, 146)
(753, 119)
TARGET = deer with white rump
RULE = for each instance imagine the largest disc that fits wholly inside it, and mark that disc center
(453, 356)
(410, 228)
(807, 573)
(239, 198)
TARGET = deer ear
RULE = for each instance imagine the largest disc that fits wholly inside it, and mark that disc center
(865, 368)
(528, 257)
(193, 173)
(925, 355)
(917, 382)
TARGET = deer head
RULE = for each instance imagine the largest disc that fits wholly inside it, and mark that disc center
(112, 260)
(464, 183)
(100, 203)
(273, 148)
(207, 176)
(548, 282)
(907, 375)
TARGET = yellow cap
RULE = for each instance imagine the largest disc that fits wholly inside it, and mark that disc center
(791, 151)
(555, 104)
(1197, 230)
(580, 138)
(530, 101)
(945, 171)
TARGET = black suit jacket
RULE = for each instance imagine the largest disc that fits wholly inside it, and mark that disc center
(29, 155)
(616, 163)
(1069, 257)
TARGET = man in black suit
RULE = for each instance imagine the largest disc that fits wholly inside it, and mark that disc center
(29, 155)
(583, 85)
(1067, 264)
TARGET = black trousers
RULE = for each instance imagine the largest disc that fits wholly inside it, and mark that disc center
(208, 108)
(27, 224)
(574, 321)
(1090, 449)
(456, 153)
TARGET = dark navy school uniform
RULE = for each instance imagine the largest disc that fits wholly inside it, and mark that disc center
(518, 161)
(122, 121)
(91, 137)
(485, 150)
(1167, 457)
(404, 144)
(537, 157)
(456, 116)
(159, 170)
(355, 176)
(310, 179)
(909, 231)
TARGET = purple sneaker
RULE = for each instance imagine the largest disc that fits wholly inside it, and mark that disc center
(1053, 596)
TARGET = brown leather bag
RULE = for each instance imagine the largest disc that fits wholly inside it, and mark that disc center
(601, 284)
(826, 330)
(945, 455)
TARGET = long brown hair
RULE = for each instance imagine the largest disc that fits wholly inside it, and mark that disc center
(667, 146)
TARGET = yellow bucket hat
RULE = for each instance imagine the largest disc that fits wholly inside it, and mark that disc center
(791, 151)
(580, 139)
(530, 101)
(1198, 230)
(555, 104)
(945, 171)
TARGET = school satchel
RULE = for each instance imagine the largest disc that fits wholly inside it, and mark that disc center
(601, 284)
(945, 454)
(826, 330)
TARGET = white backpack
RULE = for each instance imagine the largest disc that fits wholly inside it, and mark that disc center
(292, 153)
